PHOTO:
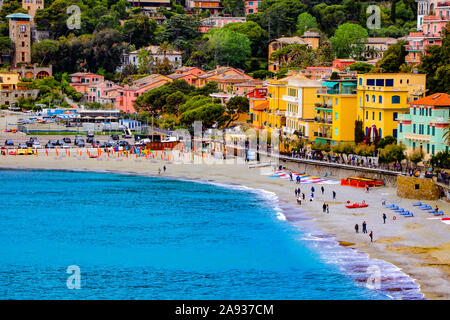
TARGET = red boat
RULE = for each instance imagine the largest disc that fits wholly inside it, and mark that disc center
(357, 205)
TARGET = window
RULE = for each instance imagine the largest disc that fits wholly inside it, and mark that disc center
(336, 101)
(360, 81)
(389, 82)
(335, 116)
(431, 112)
(414, 110)
(380, 82)
(360, 101)
(250, 3)
(428, 129)
(367, 98)
(401, 127)
(380, 99)
(379, 132)
(395, 116)
(367, 115)
(370, 82)
(23, 28)
(373, 98)
(432, 149)
(394, 133)
(433, 131)
(414, 128)
(428, 148)
(335, 131)
(395, 99)
(379, 116)
(373, 115)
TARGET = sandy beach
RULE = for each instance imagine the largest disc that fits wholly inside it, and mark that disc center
(420, 245)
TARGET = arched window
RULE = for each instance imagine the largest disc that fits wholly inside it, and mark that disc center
(380, 99)
(395, 99)
(373, 98)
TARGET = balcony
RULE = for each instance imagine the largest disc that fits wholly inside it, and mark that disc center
(344, 90)
(323, 135)
(414, 48)
(323, 107)
(326, 121)
(291, 99)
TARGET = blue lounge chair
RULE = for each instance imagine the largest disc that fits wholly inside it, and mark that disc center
(427, 207)
(389, 206)
(417, 204)
(405, 213)
(394, 208)
(431, 210)
(440, 213)
(400, 210)
(409, 215)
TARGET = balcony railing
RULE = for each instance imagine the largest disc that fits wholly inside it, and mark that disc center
(324, 91)
(413, 48)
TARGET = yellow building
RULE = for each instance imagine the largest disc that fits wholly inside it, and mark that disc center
(336, 112)
(300, 101)
(275, 114)
(9, 80)
(383, 96)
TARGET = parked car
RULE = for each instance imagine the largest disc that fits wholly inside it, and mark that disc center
(22, 146)
(53, 142)
(115, 137)
(60, 142)
(9, 143)
(37, 144)
(123, 144)
(89, 140)
(63, 145)
(78, 142)
(49, 145)
(67, 140)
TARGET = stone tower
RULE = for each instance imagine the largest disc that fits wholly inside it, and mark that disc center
(32, 6)
(20, 35)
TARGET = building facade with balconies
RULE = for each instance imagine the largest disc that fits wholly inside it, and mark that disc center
(301, 97)
(382, 97)
(424, 126)
(432, 19)
(336, 111)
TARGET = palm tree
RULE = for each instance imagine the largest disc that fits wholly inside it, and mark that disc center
(165, 48)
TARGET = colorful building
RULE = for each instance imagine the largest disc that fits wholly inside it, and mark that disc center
(376, 47)
(433, 16)
(156, 53)
(252, 6)
(220, 74)
(342, 64)
(213, 6)
(257, 106)
(382, 97)
(81, 81)
(424, 126)
(301, 98)
(336, 112)
(218, 22)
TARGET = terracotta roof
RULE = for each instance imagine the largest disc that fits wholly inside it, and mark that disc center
(386, 40)
(437, 99)
(291, 40)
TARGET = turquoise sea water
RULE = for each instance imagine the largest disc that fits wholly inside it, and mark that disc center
(136, 237)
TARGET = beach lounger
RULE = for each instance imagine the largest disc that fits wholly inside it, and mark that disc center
(427, 207)
(431, 210)
(409, 215)
(400, 210)
(405, 212)
(417, 204)
(440, 213)
(394, 208)
(389, 206)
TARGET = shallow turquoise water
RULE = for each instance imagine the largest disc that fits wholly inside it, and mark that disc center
(137, 237)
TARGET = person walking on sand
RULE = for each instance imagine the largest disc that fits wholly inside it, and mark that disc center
(298, 179)
(356, 228)
(322, 189)
(296, 193)
(299, 192)
(164, 168)
(159, 171)
(371, 236)
(364, 225)
(290, 175)
(324, 207)
(303, 196)
(328, 208)
(384, 218)
(334, 195)
(312, 189)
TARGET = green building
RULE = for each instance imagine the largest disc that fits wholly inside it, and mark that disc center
(423, 128)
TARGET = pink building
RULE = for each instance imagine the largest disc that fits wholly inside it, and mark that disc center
(190, 74)
(104, 92)
(218, 22)
(81, 81)
(431, 34)
(251, 6)
(129, 94)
